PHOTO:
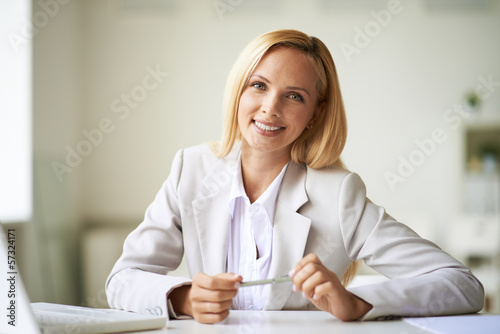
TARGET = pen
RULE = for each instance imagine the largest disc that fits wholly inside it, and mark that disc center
(282, 279)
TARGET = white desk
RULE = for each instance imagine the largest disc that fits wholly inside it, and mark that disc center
(290, 322)
(317, 322)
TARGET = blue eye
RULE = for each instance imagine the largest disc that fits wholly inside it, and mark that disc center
(258, 85)
(296, 97)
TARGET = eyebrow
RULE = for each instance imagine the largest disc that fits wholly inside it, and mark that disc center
(289, 87)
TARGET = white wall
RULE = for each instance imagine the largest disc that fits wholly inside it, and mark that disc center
(396, 91)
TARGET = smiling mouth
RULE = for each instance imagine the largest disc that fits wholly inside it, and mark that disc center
(267, 127)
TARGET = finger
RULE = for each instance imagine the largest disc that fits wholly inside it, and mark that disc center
(309, 285)
(230, 276)
(211, 318)
(325, 289)
(210, 307)
(226, 281)
(200, 294)
(304, 274)
(304, 261)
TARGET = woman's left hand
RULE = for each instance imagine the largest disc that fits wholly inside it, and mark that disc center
(323, 288)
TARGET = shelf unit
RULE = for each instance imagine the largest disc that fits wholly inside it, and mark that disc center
(474, 236)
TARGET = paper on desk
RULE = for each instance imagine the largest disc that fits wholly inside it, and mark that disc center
(459, 324)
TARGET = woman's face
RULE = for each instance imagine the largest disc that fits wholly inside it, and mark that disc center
(278, 102)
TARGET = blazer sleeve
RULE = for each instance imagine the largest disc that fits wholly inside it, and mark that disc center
(139, 282)
(423, 279)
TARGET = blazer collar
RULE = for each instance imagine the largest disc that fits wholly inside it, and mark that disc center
(212, 215)
(290, 232)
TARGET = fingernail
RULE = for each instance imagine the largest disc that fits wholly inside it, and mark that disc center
(237, 285)
(304, 294)
(315, 297)
(294, 288)
(291, 273)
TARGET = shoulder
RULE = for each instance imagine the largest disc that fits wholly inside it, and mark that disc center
(334, 178)
(194, 163)
(335, 185)
(198, 153)
(203, 155)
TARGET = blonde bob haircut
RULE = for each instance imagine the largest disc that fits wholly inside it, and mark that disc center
(317, 147)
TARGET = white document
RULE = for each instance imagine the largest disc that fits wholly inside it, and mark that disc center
(459, 324)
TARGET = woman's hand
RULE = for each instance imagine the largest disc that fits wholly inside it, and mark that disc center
(323, 288)
(209, 298)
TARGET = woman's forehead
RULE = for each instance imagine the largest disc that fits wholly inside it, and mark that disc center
(287, 65)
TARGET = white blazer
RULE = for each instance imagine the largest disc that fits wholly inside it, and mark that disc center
(318, 211)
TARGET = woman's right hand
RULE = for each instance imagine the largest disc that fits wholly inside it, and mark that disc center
(210, 297)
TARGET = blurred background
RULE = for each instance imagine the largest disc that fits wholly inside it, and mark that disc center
(100, 94)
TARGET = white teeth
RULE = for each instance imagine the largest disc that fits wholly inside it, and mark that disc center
(266, 127)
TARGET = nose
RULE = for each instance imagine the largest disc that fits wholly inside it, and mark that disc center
(271, 105)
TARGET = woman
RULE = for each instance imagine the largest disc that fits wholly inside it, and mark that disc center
(274, 199)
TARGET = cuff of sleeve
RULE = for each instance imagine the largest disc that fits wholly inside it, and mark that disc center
(170, 309)
(381, 309)
(173, 315)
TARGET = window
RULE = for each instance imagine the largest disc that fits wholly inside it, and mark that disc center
(15, 112)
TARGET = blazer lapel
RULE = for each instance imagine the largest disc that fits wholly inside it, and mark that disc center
(212, 216)
(290, 229)
(290, 232)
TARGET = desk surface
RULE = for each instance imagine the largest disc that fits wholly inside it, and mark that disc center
(318, 322)
(289, 322)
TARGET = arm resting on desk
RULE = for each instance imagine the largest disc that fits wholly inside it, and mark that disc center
(424, 280)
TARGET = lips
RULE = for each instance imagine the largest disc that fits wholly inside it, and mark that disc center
(265, 127)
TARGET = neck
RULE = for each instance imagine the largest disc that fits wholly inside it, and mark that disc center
(259, 169)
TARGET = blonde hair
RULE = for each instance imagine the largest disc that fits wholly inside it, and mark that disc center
(317, 147)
